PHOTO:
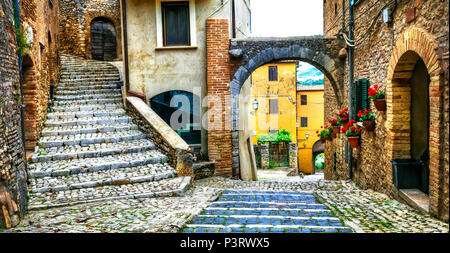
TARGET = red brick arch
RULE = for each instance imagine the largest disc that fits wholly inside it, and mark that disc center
(412, 45)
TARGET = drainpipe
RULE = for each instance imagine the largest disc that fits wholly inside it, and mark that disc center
(350, 80)
(22, 105)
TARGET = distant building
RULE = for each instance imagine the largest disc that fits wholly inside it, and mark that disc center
(274, 90)
(310, 117)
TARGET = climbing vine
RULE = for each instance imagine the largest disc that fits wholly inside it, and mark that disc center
(23, 45)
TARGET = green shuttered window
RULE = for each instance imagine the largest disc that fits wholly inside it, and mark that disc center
(360, 96)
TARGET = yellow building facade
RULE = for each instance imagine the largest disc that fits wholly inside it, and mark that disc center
(310, 117)
(273, 92)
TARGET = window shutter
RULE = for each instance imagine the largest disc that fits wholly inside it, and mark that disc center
(365, 93)
(354, 105)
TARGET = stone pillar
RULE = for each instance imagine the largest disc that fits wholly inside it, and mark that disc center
(264, 151)
(293, 156)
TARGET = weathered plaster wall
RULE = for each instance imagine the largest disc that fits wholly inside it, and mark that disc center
(13, 186)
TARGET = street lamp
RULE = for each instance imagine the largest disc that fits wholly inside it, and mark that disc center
(255, 104)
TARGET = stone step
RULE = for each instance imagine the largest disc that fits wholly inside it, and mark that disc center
(163, 188)
(267, 212)
(92, 150)
(85, 68)
(80, 83)
(70, 75)
(88, 87)
(148, 173)
(87, 92)
(81, 108)
(87, 114)
(85, 140)
(87, 129)
(236, 228)
(90, 78)
(243, 204)
(112, 162)
(87, 121)
(90, 101)
(92, 97)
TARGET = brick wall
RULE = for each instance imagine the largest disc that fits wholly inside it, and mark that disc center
(218, 79)
(425, 33)
(41, 66)
(13, 187)
(75, 25)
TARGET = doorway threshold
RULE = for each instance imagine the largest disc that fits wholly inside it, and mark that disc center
(416, 199)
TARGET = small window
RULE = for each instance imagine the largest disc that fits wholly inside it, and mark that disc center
(303, 99)
(49, 35)
(273, 106)
(273, 73)
(273, 131)
(304, 122)
(50, 3)
(175, 17)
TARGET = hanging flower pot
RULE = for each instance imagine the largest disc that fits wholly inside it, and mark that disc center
(369, 125)
(380, 104)
(353, 141)
(378, 97)
(333, 135)
(352, 134)
(336, 130)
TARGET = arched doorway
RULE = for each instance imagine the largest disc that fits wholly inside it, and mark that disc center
(177, 109)
(414, 114)
(103, 39)
(317, 150)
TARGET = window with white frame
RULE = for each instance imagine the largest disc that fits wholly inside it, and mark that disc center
(176, 25)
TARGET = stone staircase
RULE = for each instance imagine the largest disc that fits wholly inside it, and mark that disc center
(243, 211)
(90, 150)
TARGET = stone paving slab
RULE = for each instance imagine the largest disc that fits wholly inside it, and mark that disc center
(172, 214)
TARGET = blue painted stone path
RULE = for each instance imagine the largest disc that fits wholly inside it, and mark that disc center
(266, 212)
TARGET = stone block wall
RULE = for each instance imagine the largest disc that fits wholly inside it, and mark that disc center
(218, 79)
(75, 24)
(41, 66)
(13, 187)
(418, 26)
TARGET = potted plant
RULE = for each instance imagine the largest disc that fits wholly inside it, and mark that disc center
(368, 119)
(336, 126)
(325, 134)
(378, 97)
(353, 134)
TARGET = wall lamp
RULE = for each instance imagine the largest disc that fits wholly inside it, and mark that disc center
(307, 135)
(255, 104)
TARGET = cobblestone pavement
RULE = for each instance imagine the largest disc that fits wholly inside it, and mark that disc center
(358, 210)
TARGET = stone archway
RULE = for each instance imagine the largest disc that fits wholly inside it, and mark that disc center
(103, 39)
(321, 52)
(412, 46)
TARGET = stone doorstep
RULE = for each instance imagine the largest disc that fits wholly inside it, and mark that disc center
(107, 182)
(184, 186)
(416, 199)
